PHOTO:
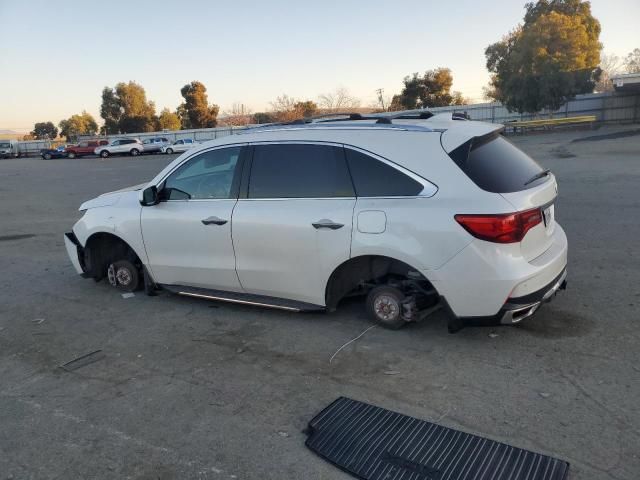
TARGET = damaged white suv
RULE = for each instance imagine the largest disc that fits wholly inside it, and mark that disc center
(416, 213)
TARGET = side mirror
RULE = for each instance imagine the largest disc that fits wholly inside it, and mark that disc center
(149, 196)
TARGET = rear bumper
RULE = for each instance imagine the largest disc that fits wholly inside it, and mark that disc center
(495, 284)
(517, 309)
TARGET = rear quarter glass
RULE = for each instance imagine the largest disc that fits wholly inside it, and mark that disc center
(496, 165)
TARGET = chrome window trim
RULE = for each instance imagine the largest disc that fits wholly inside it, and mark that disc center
(429, 188)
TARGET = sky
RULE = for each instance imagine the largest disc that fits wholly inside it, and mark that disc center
(57, 56)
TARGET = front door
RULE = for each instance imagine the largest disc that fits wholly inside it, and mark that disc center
(294, 227)
(188, 234)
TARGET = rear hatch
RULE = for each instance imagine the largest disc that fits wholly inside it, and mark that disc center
(495, 165)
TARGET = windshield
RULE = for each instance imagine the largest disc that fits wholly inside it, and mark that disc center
(5, 145)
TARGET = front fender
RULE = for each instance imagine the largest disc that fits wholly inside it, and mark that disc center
(121, 219)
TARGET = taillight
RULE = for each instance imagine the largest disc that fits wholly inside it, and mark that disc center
(501, 228)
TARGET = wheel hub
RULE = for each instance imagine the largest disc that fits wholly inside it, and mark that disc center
(386, 308)
(123, 276)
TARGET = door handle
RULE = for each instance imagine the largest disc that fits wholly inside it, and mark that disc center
(214, 221)
(324, 223)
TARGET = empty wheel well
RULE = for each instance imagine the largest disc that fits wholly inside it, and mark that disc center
(360, 272)
(102, 249)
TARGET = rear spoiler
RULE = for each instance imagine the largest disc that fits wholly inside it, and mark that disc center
(460, 133)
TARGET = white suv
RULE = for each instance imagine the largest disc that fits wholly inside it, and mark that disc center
(416, 214)
(132, 146)
(179, 146)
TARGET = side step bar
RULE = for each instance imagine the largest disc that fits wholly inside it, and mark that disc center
(244, 298)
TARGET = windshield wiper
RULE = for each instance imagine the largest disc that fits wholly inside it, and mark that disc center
(543, 173)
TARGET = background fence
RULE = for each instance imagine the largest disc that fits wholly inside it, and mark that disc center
(199, 134)
(611, 107)
(608, 107)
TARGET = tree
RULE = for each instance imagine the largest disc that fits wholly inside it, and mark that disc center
(44, 131)
(239, 115)
(548, 60)
(263, 117)
(110, 111)
(126, 109)
(433, 89)
(610, 65)
(632, 62)
(196, 106)
(287, 109)
(458, 99)
(79, 124)
(169, 120)
(138, 114)
(338, 100)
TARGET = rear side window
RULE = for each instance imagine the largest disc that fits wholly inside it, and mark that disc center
(496, 165)
(373, 178)
(299, 171)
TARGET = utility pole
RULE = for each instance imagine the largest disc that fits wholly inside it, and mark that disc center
(380, 91)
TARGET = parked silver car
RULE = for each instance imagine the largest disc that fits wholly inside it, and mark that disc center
(154, 145)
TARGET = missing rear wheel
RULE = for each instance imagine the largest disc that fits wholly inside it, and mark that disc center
(384, 305)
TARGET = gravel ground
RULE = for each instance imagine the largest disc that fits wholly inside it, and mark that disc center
(194, 389)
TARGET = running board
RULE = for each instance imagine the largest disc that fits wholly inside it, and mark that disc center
(244, 298)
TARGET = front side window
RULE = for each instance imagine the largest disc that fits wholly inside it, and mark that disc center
(209, 175)
(373, 178)
(115, 143)
(83, 144)
(299, 171)
(179, 142)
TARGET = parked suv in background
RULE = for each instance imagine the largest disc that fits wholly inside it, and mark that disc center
(132, 146)
(415, 214)
(153, 145)
(179, 146)
(86, 147)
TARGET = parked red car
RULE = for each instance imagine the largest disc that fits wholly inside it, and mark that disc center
(86, 147)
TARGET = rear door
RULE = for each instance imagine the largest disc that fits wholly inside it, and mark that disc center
(294, 225)
(188, 234)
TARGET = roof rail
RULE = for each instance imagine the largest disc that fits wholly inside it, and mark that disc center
(379, 125)
(412, 116)
(350, 117)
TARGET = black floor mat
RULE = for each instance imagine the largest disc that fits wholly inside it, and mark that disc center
(373, 443)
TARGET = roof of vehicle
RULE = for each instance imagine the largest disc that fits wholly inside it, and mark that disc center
(384, 139)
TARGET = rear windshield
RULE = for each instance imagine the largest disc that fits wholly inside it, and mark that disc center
(498, 166)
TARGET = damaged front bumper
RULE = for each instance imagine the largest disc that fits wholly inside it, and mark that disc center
(75, 251)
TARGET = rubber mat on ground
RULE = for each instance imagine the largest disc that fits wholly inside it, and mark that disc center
(373, 443)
